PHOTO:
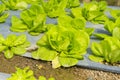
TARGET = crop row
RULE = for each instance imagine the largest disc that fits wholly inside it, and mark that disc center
(65, 42)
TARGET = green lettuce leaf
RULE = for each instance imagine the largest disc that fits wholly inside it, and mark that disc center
(101, 35)
(67, 62)
(26, 74)
(73, 3)
(42, 78)
(18, 50)
(107, 50)
(22, 74)
(15, 4)
(33, 1)
(116, 32)
(109, 26)
(77, 12)
(96, 58)
(8, 54)
(113, 27)
(13, 45)
(89, 30)
(1, 39)
(2, 48)
(54, 8)
(67, 21)
(3, 14)
(17, 25)
(38, 25)
(4, 17)
(32, 20)
(44, 54)
(21, 5)
(97, 49)
(62, 44)
(94, 11)
(115, 13)
(20, 40)
(25, 44)
(115, 56)
(55, 62)
(10, 39)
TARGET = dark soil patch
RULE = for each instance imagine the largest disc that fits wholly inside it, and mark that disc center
(44, 68)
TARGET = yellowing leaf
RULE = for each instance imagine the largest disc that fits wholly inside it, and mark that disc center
(55, 63)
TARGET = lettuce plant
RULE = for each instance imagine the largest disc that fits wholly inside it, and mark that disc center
(13, 45)
(15, 4)
(22, 74)
(78, 23)
(107, 50)
(110, 25)
(32, 20)
(3, 14)
(113, 27)
(93, 11)
(54, 8)
(25, 74)
(63, 46)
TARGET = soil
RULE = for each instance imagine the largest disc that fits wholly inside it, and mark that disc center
(109, 2)
(45, 69)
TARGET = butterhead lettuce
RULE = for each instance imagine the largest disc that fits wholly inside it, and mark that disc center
(63, 46)
(107, 50)
(13, 44)
(32, 20)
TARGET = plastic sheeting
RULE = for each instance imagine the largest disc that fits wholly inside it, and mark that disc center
(4, 30)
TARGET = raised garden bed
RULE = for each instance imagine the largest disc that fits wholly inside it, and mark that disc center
(46, 68)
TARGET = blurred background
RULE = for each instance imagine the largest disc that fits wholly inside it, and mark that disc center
(110, 2)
